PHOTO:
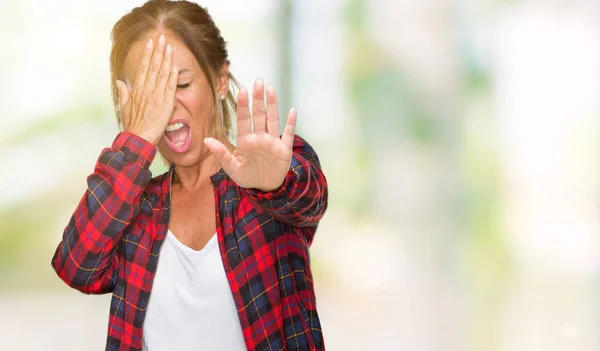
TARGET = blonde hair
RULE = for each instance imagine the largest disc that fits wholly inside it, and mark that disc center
(196, 28)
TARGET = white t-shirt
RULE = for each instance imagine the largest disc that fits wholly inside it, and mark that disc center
(191, 306)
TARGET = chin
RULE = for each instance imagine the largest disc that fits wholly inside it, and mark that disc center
(183, 160)
(192, 157)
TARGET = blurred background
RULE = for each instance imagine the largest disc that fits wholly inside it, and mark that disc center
(461, 141)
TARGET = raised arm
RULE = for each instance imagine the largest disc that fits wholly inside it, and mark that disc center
(302, 199)
(282, 174)
(87, 256)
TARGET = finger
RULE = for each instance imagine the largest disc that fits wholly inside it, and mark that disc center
(244, 121)
(123, 92)
(140, 73)
(258, 106)
(155, 63)
(165, 70)
(272, 114)
(171, 86)
(288, 131)
(220, 152)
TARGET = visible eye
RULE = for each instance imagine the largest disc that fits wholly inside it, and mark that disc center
(183, 86)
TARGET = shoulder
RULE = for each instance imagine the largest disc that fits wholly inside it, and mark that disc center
(159, 179)
(157, 188)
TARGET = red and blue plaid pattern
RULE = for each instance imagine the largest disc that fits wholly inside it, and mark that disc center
(113, 240)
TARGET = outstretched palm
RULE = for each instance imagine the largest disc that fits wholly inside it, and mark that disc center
(261, 159)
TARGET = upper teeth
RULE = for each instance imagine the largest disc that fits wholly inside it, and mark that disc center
(174, 126)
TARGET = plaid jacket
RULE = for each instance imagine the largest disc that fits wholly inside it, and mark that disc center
(112, 244)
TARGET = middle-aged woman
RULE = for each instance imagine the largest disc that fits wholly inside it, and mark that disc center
(213, 254)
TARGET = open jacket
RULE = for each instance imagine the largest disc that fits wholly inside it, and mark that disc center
(112, 244)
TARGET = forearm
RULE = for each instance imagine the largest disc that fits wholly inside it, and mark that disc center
(85, 258)
(302, 199)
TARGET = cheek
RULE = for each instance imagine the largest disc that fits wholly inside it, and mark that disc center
(198, 104)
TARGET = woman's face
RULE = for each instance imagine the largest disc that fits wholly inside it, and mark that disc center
(192, 119)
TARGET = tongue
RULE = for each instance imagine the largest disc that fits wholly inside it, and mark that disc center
(179, 135)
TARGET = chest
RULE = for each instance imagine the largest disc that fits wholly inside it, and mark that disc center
(191, 305)
(192, 219)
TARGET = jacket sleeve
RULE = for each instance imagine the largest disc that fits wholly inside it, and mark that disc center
(87, 258)
(302, 199)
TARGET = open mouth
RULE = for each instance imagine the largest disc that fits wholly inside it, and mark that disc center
(178, 136)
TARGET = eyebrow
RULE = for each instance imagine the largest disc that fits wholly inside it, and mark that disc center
(183, 71)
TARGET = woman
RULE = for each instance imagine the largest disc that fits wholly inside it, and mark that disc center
(213, 254)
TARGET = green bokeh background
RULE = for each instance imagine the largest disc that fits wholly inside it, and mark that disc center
(409, 106)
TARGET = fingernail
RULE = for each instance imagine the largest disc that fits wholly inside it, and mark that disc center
(149, 44)
(161, 39)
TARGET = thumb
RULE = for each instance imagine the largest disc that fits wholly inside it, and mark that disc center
(220, 152)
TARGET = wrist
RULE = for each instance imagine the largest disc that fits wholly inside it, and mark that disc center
(149, 138)
(271, 189)
(135, 148)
